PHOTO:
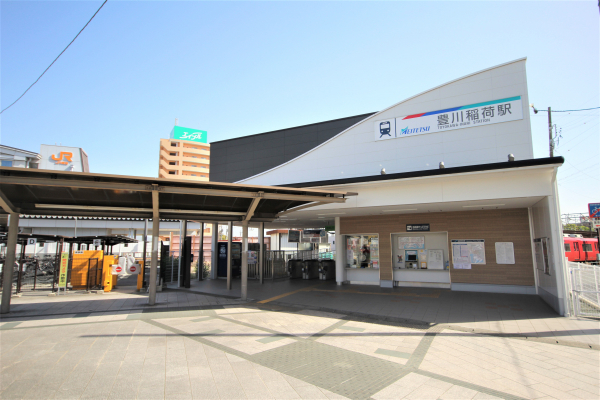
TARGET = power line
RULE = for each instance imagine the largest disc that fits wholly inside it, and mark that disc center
(583, 109)
(36, 81)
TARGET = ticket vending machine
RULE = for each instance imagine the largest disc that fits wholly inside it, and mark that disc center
(411, 259)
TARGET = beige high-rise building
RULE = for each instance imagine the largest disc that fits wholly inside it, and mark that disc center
(184, 159)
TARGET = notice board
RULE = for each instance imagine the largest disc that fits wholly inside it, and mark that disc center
(466, 252)
(505, 253)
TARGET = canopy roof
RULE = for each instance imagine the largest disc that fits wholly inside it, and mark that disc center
(46, 192)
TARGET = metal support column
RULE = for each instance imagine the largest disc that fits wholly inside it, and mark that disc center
(143, 271)
(154, 260)
(214, 248)
(182, 235)
(201, 253)
(9, 262)
(340, 253)
(261, 249)
(244, 259)
(229, 248)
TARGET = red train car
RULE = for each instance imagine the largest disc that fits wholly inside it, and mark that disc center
(578, 249)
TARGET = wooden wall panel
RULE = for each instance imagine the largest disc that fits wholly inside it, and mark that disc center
(510, 225)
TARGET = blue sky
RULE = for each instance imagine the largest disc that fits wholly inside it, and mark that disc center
(239, 68)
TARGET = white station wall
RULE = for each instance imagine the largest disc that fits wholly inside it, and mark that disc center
(355, 152)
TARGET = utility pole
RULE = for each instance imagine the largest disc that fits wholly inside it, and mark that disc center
(550, 132)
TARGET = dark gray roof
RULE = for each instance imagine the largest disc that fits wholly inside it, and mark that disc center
(45, 192)
(232, 160)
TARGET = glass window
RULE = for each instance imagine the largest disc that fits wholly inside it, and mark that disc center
(362, 251)
(567, 247)
(6, 163)
(587, 247)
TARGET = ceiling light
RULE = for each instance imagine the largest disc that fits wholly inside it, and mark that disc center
(484, 205)
(404, 209)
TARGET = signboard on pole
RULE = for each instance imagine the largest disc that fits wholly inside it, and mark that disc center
(596, 224)
(594, 210)
(293, 236)
(64, 266)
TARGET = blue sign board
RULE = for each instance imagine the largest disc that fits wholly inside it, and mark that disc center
(594, 210)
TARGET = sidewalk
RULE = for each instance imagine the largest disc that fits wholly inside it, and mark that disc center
(507, 314)
(198, 346)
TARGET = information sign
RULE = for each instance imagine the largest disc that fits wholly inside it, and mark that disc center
(417, 227)
(293, 236)
(31, 241)
(252, 257)
(64, 266)
(468, 251)
(97, 242)
(594, 210)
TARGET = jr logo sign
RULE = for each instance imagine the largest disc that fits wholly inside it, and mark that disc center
(64, 157)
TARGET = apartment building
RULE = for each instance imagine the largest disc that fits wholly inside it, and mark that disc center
(186, 155)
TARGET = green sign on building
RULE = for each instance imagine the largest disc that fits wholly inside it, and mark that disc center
(193, 135)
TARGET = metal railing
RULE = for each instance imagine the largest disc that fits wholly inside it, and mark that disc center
(584, 289)
(170, 264)
(32, 272)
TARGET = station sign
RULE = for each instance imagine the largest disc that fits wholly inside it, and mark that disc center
(468, 116)
(31, 241)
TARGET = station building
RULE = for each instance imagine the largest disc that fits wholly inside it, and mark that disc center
(448, 192)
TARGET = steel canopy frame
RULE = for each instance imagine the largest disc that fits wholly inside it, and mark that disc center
(46, 192)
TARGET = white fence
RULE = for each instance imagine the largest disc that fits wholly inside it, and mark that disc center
(584, 288)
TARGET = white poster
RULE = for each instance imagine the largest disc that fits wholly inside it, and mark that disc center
(411, 242)
(435, 259)
(505, 253)
(469, 116)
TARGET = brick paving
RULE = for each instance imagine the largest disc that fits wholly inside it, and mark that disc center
(200, 346)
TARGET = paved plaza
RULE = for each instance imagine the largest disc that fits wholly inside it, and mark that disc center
(296, 340)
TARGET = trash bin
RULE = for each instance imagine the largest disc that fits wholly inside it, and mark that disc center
(326, 270)
(295, 268)
(310, 269)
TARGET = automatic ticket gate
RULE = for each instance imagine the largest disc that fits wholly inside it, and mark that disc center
(295, 268)
(310, 270)
(326, 270)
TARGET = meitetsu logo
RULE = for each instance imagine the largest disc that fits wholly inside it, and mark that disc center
(407, 131)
